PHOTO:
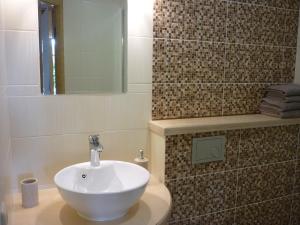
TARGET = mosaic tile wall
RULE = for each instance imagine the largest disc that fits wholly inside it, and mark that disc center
(257, 184)
(214, 57)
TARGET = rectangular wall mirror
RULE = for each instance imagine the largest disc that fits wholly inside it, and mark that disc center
(83, 46)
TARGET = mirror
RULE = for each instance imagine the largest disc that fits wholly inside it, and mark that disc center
(83, 46)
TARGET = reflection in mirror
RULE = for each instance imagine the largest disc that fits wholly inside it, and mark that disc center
(83, 46)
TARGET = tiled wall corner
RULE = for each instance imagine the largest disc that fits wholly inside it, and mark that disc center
(216, 57)
(259, 178)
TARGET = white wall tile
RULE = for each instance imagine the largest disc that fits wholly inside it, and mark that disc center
(21, 14)
(140, 18)
(51, 132)
(1, 15)
(3, 79)
(82, 114)
(23, 90)
(31, 158)
(139, 88)
(5, 154)
(35, 116)
(130, 111)
(22, 57)
(140, 60)
(124, 145)
(45, 156)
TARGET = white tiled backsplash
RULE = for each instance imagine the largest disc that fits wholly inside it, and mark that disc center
(49, 133)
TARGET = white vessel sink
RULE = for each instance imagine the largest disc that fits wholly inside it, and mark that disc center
(102, 193)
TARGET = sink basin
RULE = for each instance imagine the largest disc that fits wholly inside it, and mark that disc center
(102, 193)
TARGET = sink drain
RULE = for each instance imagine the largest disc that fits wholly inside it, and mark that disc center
(83, 176)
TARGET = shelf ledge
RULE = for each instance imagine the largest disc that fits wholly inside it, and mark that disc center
(208, 124)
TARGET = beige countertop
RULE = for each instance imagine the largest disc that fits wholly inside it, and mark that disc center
(194, 125)
(152, 209)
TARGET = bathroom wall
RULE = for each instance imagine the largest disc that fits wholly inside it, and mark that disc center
(215, 57)
(5, 154)
(257, 184)
(49, 133)
(297, 71)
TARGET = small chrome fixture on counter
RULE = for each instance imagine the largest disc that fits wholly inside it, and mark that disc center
(141, 160)
(96, 148)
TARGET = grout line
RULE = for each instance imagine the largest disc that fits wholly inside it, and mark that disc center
(237, 176)
(233, 170)
(282, 50)
(105, 131)
(260, 5)
(21, 31)
(239, 207)
(227, 43)
(241, 83)
(23, 85)
(223, 99)
(225, 60)
(295, 175)
(285, 27)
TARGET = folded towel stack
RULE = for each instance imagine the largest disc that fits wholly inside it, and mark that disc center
(282, 101)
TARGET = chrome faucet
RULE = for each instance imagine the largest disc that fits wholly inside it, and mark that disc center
(95, 149)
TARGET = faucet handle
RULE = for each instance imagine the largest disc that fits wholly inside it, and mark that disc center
(94, 140)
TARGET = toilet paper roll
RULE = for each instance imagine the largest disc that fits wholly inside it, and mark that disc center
(29, 189)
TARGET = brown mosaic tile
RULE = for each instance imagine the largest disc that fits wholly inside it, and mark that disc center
(288, 4)
(168, 19)
(275, 212)
(183, 194)
(191, 20)
(192, 197)
(182, 57)
(178, 156)
(222, 218)
(242, 98)
(268, 145)
(295, 216)
(252, 64)
(265, 182)
(205, 20)
(200, 100)
(167, 60)
(157, 101)
(291, 28)
(203, 62)
(215, 192)
(285, 4)
(172, 101)
(192, 100)
(288, 64)
(181, 222)
(177, 61)
(297, 182)
(179, 150)
(252, 24)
